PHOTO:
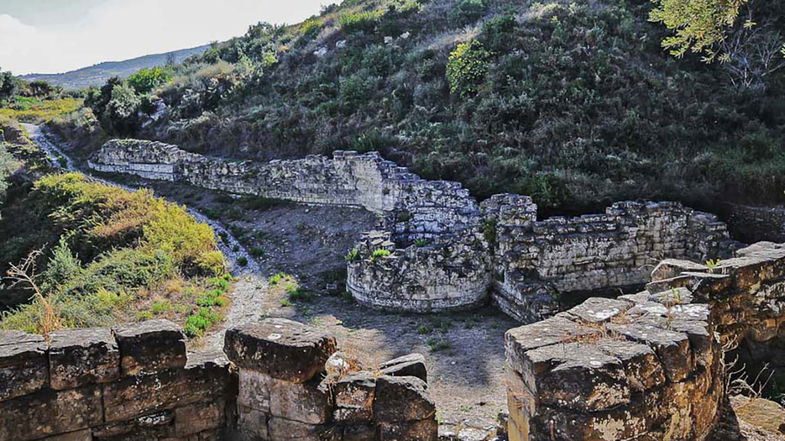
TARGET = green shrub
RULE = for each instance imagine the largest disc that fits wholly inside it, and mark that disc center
(467, 11)
(467, 67)
(145, 80)
(353, 255)
(242, 261)
(365, 21)
(161, 306)
(379, 253)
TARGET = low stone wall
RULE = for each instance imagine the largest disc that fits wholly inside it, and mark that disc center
(648, 365)
(444, 252)
(436, 275)
(347, 179)
(283, 396)
(136, 382)
(131, 383)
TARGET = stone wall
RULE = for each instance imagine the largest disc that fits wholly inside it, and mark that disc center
(648, 365)
(131, 383)
(136, 382)
(539, 260)
(442, 252)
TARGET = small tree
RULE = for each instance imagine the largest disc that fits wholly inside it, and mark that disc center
(146, 80)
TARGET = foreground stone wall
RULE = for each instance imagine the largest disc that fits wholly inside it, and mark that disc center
(131, 383)
(439, 249)
(648, 365)
(136, 382)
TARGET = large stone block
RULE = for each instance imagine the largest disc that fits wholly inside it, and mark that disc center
(150, 346)
(139, 395)
(252, 424)
(82, 356)
(304, 402)
(23, 365)
(146, 427)
(425, 430)
(409, 365)
(79, 435)
(354, 396)
(50, 413)
(280, 348)
(199, 417)
(402, 399)
(282, 429)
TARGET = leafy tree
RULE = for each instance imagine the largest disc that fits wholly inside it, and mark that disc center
(467, 67)
(8, 86)
(146, 80)
(699, 25)
(7, 166)
(42, 89)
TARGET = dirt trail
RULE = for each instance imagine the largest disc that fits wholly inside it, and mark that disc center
(247, 296)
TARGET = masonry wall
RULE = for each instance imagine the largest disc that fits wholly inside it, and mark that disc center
(539, 260)
(444, 252)
(286, 381)
(131, 383)
(646, 366)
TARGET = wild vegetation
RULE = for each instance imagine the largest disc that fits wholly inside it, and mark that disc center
(35, 101)
(576, 104)
(96, 255)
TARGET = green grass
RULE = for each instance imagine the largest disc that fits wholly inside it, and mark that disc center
(36, 110)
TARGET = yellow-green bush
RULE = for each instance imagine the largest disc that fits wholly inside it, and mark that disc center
(467, 67)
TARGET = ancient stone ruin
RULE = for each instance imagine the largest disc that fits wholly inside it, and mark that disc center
(439, 249)
(648, 365)
(278, 380)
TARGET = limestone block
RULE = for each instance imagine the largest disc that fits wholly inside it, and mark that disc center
(408, 365)
(402, 399)
(641, 365)
(47, 412)
(253, 423)
(199, 417)
(82, 356)
(425, 430)
(354, 396)
(139, 395)
(151, 426)
(23, 365)
(280, 348)
(281, 429)
(150, 346)
(305, 402)
(672, 348)
(80, 435)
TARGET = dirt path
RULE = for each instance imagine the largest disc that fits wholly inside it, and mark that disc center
(247, 296)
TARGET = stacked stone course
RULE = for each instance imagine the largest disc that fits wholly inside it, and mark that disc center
(131, 383)
(136, 382)
(647, 366)
(447, 251)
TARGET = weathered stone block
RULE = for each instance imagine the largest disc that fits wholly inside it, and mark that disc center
(50, 413)
(146, 427)
(282, 429)
(354, 398)
(82, 356)
(253, 423)
(80, 435)
(359, 432)
(150, 346)
(199, 417)
(139, 395)
(425, 430)
(409, 365)
(280, 348)
(304, 402)
(23, 366)
(402, 399)
(672, 348)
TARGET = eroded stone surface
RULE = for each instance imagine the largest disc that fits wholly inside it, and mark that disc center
(408, 365)
(23, 364)
(280, 348)
(150, 346)
(83, 356)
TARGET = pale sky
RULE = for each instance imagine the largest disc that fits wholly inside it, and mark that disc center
(53, 36)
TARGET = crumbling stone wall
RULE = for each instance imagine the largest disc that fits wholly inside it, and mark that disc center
(648, 365)
(446, 253)
(539, 260)
(136, 382)
(131, 383)
(284, 394)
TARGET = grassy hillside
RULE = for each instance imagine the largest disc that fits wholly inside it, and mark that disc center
(79, 253)
(574, 103)
(98, 74)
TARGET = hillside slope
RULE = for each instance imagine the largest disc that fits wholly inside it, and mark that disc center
(98, 74)
(576, 104)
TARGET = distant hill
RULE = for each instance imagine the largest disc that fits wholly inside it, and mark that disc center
(98, 74)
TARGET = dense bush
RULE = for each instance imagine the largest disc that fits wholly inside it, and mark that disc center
(467, 67)
(146, 80)
(111, 246)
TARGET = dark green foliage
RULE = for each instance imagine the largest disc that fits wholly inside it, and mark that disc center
(146, 80)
